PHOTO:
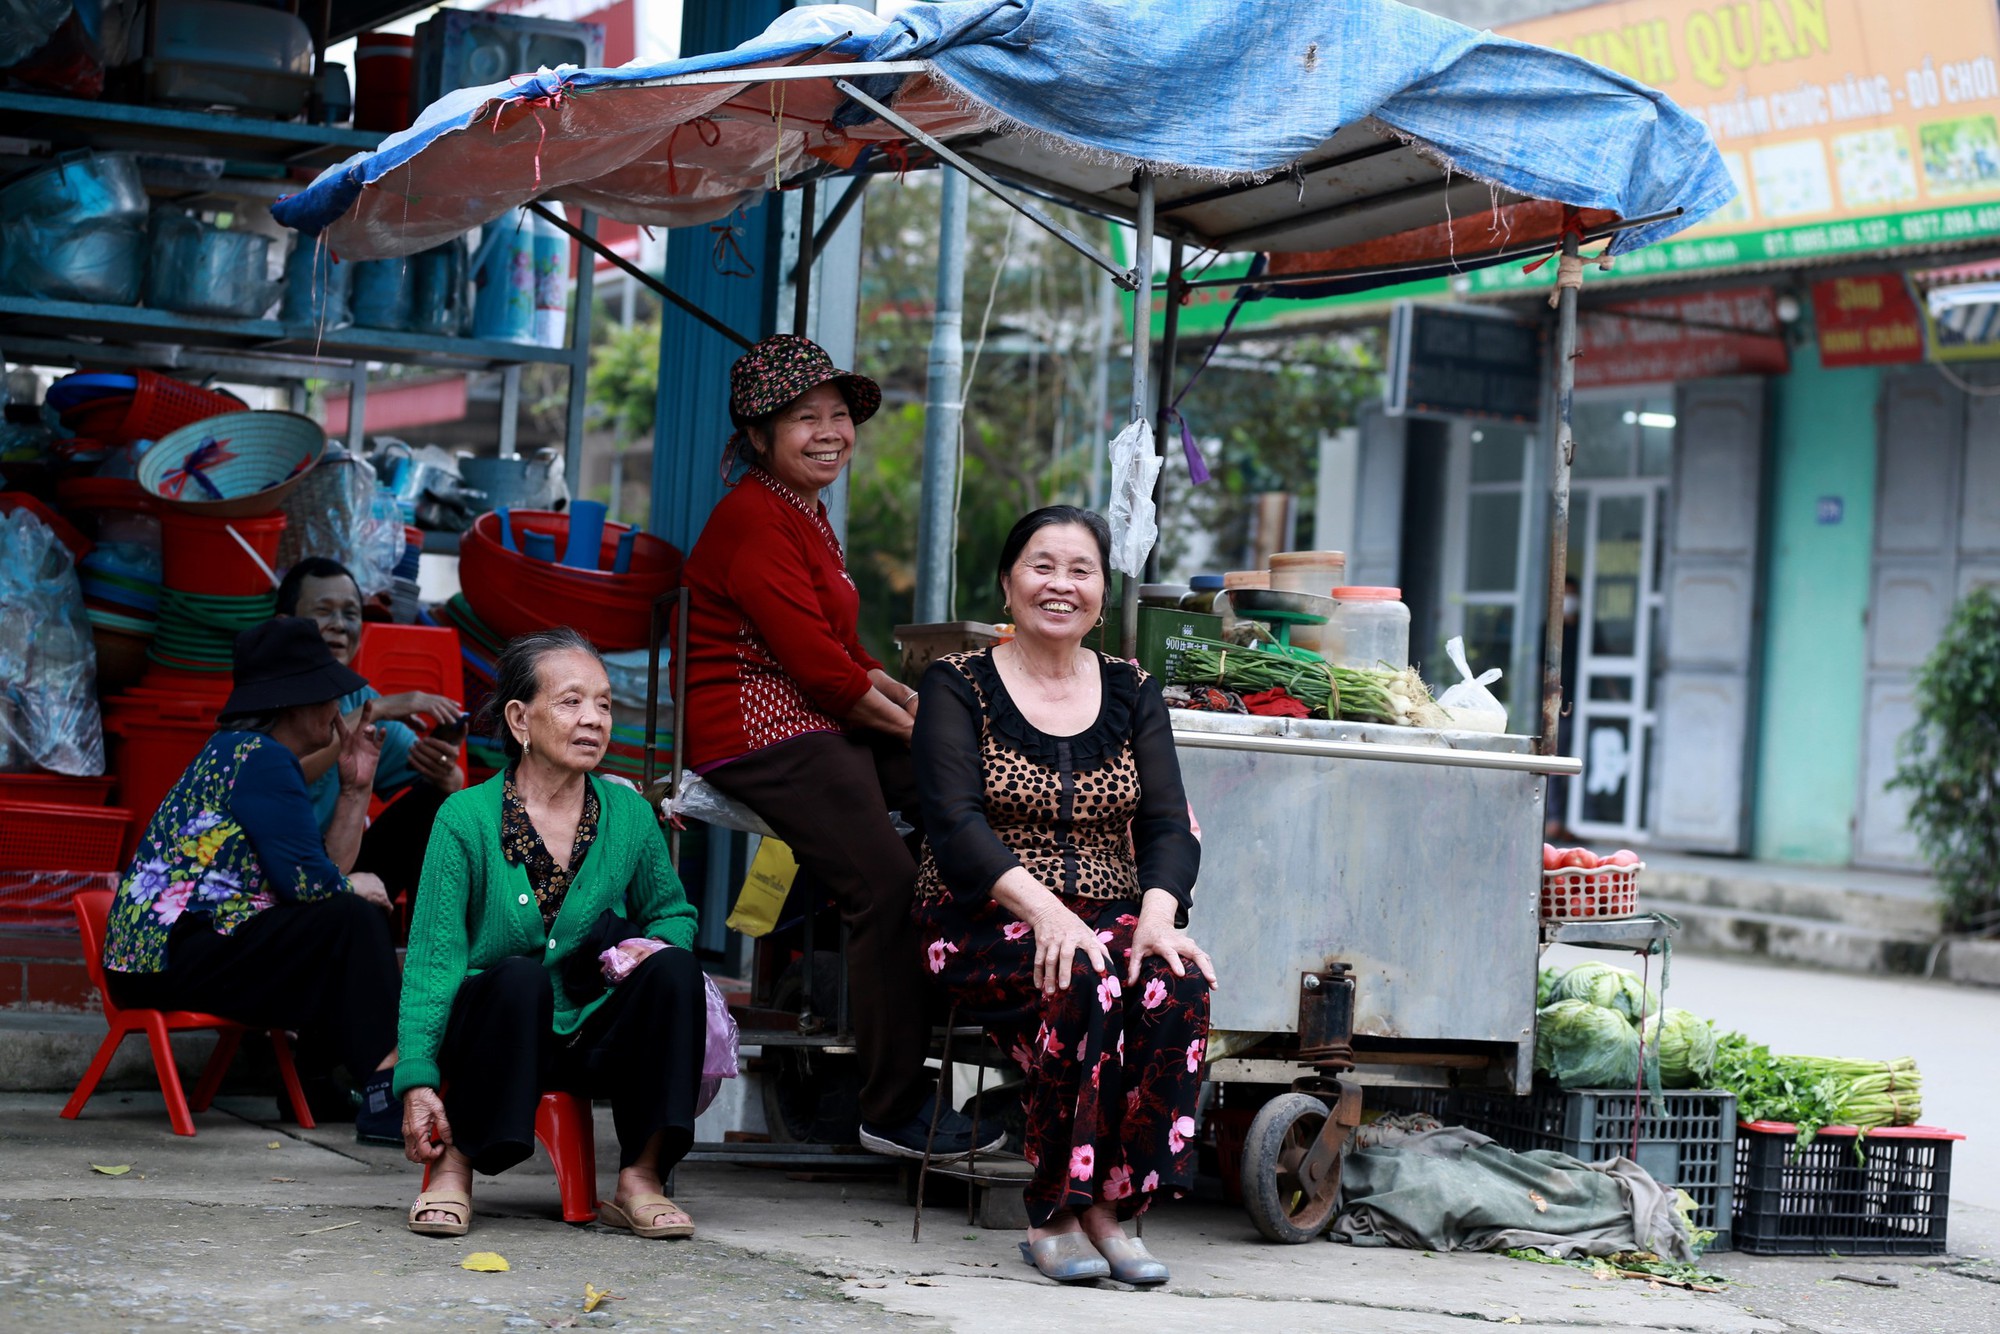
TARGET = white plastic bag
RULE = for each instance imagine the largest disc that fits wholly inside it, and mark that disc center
(1471, 705)
(48, 660)
(1134, 469)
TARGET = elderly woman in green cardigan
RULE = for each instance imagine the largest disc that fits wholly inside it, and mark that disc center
(550, 950)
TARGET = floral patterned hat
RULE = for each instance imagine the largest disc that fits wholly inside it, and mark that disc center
(782, 367)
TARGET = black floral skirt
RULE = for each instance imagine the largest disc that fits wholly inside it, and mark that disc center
(1114, 1072)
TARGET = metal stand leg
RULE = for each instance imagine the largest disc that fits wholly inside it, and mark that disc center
(930, 1137)
(972, 1159)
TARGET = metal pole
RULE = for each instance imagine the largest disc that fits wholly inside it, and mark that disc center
(937, 521)
(588, 240)
(1142, 346)
(1169, 341)
(1100, 384)
(1565, 451)
(802, 276)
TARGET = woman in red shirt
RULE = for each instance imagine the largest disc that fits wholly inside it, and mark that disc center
(788, 714)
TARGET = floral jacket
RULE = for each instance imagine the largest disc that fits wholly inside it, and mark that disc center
(234, 836)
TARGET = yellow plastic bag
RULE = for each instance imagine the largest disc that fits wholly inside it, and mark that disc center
(772, 871)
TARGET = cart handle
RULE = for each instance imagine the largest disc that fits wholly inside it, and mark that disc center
(1366, 750)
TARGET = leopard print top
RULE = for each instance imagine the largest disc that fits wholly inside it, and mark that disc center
(1062, 805)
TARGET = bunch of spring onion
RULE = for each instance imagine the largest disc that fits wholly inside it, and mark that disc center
(1347, 693)
(1815, 1091)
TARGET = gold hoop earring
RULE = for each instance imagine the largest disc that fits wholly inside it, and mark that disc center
(1099, 625)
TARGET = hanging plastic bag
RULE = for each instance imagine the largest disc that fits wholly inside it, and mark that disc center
(719, 1059)
(1471, 705)
(48, 661)
(338, 512)
(764, 890)
(1134, 469)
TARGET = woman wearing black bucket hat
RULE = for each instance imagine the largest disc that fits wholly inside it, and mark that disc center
(235, 906)
(788, 714)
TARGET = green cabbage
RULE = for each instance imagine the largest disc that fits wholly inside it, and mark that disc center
(1686, 1047)
(1586, 1046)
(1545, 986)
(1611, 988)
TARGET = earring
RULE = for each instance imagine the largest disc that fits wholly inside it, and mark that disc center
(1099, 625)
(1006, 611)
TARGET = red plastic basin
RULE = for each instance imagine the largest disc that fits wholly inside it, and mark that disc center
(515, 594)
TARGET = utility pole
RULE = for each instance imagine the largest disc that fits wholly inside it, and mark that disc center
(937, 520)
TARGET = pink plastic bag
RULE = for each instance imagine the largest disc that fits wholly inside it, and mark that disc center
(719, 1055)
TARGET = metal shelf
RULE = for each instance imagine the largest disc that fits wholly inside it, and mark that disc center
(82, 320)
(260, 156)
(71, 122)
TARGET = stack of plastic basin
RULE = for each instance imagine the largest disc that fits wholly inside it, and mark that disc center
(515, 593)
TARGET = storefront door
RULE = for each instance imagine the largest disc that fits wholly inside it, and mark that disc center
(1618, 622)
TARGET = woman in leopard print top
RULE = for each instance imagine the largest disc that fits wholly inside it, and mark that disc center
(1057, 828)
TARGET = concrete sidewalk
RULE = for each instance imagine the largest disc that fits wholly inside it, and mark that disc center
(256, 1227)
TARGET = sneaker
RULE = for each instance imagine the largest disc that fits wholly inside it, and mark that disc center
(953, 1138)
(379, 1119)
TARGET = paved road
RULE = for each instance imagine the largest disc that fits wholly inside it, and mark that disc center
(1949, 1029)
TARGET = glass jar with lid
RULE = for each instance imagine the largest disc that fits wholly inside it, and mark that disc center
(1370, 628)
(1202, 591)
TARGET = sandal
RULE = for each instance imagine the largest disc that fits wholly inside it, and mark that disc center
(627, 1216)
(454, 1202)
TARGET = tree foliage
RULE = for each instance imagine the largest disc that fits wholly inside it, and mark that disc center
(1951, 764)
(1032, 428)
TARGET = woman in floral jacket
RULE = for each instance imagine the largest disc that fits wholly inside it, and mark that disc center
(233, 905)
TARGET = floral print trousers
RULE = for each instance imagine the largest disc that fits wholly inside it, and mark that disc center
(1114, 1072)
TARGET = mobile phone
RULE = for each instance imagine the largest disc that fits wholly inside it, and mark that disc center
(452, 733)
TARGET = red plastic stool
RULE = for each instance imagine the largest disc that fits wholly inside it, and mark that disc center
(564, 1127)
(93, 908)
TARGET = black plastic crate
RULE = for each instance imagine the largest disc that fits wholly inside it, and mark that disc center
(1691, 1147)
(1890, 1199)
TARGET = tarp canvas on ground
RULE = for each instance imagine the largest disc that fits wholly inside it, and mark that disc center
(1350, 133)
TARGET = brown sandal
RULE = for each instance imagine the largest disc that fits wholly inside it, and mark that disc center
(454, 1202)
(626, 1216)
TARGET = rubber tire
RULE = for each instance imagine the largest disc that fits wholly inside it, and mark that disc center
(1285, 1127)
(811, 1097)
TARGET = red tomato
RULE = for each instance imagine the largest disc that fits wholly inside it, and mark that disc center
(1549, 855)
(1580, 857)
(1622, 857)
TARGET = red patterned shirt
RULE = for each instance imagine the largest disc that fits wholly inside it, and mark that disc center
(772, 651)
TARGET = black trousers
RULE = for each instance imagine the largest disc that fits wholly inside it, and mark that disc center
(827, 795)
(642, 1049)
(393, 846)
(326, 969)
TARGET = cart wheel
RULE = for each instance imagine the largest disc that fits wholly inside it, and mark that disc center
(1278, 1140)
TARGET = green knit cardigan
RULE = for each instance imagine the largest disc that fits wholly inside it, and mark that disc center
(475, 908)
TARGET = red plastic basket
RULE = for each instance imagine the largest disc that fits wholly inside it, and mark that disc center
(56, 789)
(1578, 894)
(161, 404)
(38, 836)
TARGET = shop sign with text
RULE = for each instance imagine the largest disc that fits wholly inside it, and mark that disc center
(1682, 338)
(1867, 321)
(1849, 126)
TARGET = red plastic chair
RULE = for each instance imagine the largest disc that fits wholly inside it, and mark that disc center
(93, 906)
(564, 1127)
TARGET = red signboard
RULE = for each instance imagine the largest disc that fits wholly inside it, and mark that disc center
(1690, 337)
(1867, 321)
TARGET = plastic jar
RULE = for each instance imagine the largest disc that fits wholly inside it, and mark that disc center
(1371, 628)
(1315, 572)
(1202, 590)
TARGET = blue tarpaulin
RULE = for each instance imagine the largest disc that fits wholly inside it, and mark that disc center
(1198, 91)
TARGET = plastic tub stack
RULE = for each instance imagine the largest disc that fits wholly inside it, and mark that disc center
(219, 481)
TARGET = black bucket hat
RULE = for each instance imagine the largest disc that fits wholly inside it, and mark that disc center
(282, 663)
(776, 371)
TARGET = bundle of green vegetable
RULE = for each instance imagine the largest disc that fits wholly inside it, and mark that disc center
(1351, 694)
(1815, 1091)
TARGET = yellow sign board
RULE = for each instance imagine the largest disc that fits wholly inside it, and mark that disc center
(1850, 126)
